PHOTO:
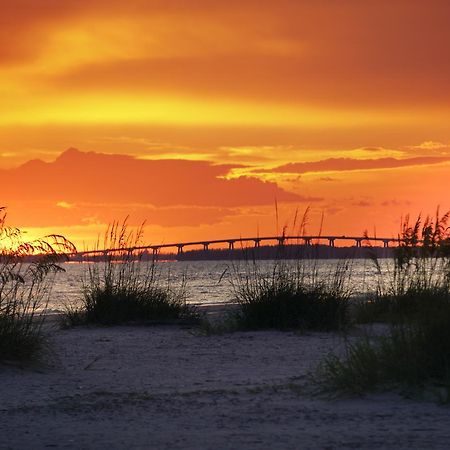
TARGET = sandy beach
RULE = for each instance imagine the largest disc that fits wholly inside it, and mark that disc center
(168, 387)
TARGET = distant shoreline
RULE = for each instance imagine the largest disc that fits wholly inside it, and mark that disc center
(264, 252)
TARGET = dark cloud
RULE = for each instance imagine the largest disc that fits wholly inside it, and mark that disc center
(93, 177)
(328, 179)
(80, 185)
(345, 164)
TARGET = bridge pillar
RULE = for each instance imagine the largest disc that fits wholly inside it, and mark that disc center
(180, 249)
(205, 246)
(155, 251)
(230, 245)
(358, 242)
(307, 241)
(331, 242)
(281, 240)
(257, 243)
(386, 243)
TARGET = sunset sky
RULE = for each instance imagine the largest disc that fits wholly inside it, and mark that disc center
(199, 116)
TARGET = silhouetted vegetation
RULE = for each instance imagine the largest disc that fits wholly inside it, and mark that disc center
(415, 355)
(418, 280)
(295, 296)
(415, 301)
(121, 288)
(24, 289)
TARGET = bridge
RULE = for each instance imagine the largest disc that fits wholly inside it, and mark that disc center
(256, 241)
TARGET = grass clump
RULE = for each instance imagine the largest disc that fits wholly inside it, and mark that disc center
(26, 275)
(122, 287)
(415, 353)
(418, 278)
(115, 304)
(292, 297)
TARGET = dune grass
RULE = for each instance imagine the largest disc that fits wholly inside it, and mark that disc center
(122, 287)
(415, 356)
(418, 279)
(294, 295)
(290, 293)
(24, 289)
(415, 302)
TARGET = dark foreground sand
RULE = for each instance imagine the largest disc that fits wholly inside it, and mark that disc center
(165, 387)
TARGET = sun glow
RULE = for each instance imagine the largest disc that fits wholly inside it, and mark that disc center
(105, 109)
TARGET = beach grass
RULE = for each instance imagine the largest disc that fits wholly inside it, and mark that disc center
(418, 279)
(294, 295)
(291, 293)
(122, 287)
(415, 355)
(25, 285)
(415, 303)
(115, 304)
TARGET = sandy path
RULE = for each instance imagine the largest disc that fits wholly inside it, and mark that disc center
(166, 387)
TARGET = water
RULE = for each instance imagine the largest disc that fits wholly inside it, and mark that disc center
(208, 282)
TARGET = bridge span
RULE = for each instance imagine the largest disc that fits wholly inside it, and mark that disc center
(280, 240)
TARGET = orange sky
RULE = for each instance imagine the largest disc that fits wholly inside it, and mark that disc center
(197, 116)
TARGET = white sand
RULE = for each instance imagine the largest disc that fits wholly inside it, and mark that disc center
(165, 387)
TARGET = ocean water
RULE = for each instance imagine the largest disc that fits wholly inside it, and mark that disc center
(211, 282)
